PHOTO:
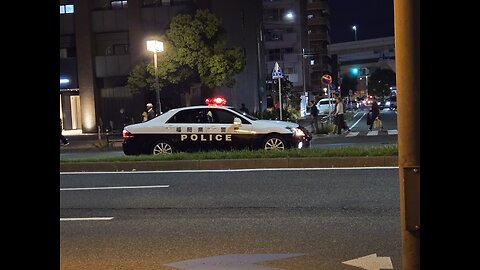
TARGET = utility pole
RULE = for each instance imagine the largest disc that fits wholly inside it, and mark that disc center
(407, 50)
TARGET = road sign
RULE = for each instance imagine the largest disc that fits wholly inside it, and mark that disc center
(332, 86)
(326, 79)
(277, 71)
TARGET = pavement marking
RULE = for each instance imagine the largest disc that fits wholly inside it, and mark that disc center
(124, 187)
(392, 132)
(232, 262)
(352, 134)
(372, 133)
(87, 219)
(371, 262)
(238, 170)
(354, 124)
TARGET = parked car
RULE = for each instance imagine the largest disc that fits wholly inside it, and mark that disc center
(208, 127)
(324, 105)
(381, 104)
(391, 103)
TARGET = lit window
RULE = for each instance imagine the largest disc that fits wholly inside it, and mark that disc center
(64, 9)
(119, 4)
(69, 9)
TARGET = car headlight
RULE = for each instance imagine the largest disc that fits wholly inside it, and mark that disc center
(297, 132)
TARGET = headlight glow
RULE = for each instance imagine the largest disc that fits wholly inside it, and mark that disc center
(297, 132)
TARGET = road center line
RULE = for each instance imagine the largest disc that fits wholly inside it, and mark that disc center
(87, 219)
(124, 187)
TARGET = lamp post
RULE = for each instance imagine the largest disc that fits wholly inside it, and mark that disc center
(355, 30)
(156, 46)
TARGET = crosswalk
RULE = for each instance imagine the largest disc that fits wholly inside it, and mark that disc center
(371, 133)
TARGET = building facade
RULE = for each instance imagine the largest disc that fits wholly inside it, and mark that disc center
(296, 35)
(102, 40)
(366, 56)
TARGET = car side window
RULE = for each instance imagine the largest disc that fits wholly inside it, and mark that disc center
(188, 117)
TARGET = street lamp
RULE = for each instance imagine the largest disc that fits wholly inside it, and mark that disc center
(355, 30)
(156, 46)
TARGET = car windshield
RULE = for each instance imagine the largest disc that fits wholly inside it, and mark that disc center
(325, 102)
(245, 114)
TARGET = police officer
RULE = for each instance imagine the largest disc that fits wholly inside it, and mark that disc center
(150, 111)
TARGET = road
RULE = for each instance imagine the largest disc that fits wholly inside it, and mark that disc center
(300, 219)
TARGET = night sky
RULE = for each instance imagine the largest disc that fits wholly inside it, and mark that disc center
(373, 18)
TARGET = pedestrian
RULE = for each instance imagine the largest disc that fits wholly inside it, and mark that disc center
(373, 114)
(149, 114)
(63, 138)
(125, 119)
(244, 109)
(314, 116)
(339, 116)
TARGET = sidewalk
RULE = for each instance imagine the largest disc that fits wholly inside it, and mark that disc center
(79, 141)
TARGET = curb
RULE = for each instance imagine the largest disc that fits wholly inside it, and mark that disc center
(320, 162)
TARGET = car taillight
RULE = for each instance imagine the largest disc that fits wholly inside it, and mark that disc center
(126, 134)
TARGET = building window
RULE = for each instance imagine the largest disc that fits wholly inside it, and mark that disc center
(67, 52)
(119, 49)
(63, 53)
(118, 4)
(289, 70)
(66, 9)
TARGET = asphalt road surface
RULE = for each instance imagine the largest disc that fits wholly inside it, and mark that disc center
(301, 219)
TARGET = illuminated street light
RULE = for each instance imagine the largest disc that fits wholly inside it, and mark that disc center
(355, 30)
(156, 46)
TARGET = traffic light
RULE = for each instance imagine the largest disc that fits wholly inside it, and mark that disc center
(354, 71)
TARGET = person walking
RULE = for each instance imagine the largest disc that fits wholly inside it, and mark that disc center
(244, 109)
(373, 114)
(62, 137)
(339, 116)
(314, 115)
(125, 119)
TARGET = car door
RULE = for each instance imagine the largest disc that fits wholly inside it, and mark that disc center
(187, 129)
(222, 133)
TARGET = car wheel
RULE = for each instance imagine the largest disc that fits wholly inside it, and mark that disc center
(162, 147)
(274, 143)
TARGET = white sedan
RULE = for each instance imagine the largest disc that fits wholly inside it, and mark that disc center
(208, 127)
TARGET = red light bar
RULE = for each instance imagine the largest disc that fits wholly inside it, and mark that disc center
(218, 101)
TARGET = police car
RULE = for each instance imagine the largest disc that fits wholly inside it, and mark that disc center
(208, 127)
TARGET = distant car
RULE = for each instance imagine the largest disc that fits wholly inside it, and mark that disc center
(391, 103)
(208, 127)
(381, 104)
(324, 105)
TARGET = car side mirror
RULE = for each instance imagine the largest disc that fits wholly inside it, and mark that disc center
(237, 122)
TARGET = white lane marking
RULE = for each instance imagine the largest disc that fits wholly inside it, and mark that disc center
(372, 133)
(87, 219)
(359, 119)
(124, 187)
(238, 170)
(392, 132)
(232, 262)
(352, 134)
(371, 262)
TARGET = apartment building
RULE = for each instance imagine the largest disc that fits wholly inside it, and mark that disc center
(296, 35)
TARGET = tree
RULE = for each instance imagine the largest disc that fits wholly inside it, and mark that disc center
(200, 43)
(196, 50)
(348, 83)
(380, 81)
